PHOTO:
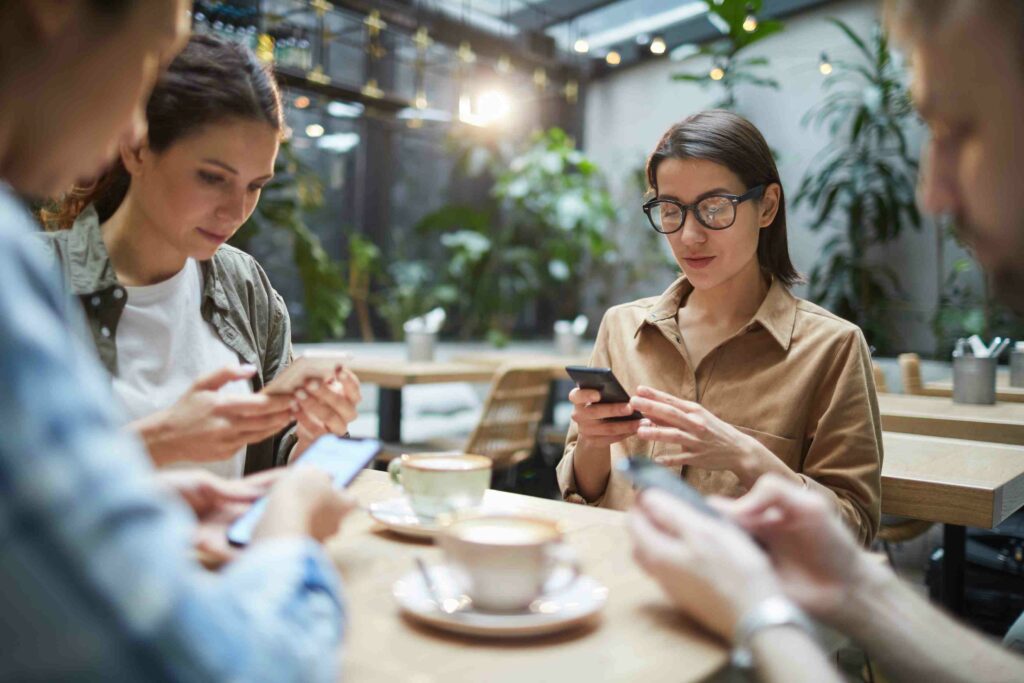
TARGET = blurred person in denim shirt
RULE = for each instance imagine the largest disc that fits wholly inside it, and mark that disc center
(98, 571)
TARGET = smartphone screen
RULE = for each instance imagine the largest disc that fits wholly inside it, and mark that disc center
(341, 458)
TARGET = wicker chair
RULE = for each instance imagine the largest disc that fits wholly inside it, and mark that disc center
(507, 430)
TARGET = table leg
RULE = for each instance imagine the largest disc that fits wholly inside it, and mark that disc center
(389, 412)
(954, 561)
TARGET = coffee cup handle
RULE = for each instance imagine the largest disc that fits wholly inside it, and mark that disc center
(395, 471)
(564, 556)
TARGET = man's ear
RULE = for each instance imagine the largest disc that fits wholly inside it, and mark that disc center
(769, 204)
(134, 155)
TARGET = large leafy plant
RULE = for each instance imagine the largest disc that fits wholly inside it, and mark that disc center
(294, 191)
(730, 67)
(531, 247)
(862, 186)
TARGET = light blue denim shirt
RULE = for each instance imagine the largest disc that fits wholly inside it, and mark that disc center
(97, 579)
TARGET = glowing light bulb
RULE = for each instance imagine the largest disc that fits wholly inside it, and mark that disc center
(658, 46)
(301, 102)
(314, 130)
(717, 74)
(581, 46)
(750, 23)
(613, 58)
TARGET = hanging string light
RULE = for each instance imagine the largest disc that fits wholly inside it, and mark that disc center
(613, 58)
(717, 73)
(658, 46)
(750, 23)
(825, 66)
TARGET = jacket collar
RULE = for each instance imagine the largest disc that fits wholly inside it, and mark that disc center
(92, 272)
(776, 314)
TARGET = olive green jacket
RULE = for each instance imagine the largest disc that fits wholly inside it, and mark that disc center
(238, 301)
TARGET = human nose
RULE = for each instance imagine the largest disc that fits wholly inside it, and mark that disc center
(692, 232)
(233, 209)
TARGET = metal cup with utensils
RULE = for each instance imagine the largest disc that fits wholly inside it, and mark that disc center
(974, 380)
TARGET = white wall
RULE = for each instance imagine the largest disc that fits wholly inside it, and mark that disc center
(627, 112)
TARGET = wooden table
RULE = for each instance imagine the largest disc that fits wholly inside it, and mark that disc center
(639, 637)
(495, 359)
(932, 416)
(954, 482)
(1004, 392)
(392, 374)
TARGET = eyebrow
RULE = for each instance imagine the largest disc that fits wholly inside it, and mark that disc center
(231, 169)
(717, 190)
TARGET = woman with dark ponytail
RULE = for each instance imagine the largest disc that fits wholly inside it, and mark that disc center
(190, 329)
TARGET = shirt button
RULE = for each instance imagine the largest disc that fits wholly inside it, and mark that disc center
(105, 331)
(118, 293)
(95, 301)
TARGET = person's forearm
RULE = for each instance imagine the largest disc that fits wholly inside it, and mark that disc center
(913, 641)
(591, 468)
(789, 655)
(756, 460)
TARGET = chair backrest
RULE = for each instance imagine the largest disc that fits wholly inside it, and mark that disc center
(910, 372)
(881, 385)
(507, 431)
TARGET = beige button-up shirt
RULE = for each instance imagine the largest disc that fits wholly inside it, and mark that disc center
(796, 378)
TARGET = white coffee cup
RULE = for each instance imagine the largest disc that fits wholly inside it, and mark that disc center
(441, 483)
(506, 561)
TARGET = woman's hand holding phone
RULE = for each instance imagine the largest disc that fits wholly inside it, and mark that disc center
(325, 408)
(590, 417)
(206, 425)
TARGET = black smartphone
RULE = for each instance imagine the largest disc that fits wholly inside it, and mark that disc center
(341, 458)
(647, 474)
(605, 382)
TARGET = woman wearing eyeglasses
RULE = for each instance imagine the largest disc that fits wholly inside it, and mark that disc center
(735, 376)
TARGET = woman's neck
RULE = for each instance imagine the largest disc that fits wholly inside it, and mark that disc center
(735, 301)
(138, 253)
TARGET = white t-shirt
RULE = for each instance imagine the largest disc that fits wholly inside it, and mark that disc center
(164, 346)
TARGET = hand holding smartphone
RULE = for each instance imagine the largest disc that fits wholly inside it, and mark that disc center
(646, 474)
(308, 365)
(604, 381)
(341, 458)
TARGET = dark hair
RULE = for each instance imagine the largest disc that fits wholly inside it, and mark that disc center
(210, 81)
(732, 141)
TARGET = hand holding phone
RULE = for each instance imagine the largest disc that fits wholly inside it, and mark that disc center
(645, 474)
(602, 380)
(340, 458)
(308, 365)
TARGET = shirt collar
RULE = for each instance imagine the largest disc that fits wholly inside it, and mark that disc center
(776, 314)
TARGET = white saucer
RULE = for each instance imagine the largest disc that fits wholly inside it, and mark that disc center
(556, 611)
(397, 516)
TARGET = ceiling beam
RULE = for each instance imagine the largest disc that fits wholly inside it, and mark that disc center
(530, 49)
(552, 13)
(695, 30)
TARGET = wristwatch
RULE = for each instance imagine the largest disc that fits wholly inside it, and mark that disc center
(774, 611)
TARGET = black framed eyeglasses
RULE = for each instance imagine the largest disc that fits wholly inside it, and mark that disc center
(714, 212)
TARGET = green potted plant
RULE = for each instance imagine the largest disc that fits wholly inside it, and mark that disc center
(730, 67)
(862, 186)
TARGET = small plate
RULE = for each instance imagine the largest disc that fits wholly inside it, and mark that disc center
(554, 612)
(397, 516)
